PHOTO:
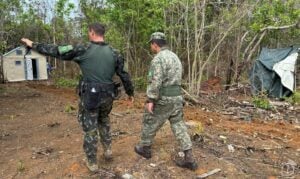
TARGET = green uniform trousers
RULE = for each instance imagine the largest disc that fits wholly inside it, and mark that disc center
(161, 113)
(95, 123)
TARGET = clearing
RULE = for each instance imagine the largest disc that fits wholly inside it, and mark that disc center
(41, 138)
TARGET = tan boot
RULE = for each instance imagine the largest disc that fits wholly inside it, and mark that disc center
(93, 167)
(188, 162)
(107, 155)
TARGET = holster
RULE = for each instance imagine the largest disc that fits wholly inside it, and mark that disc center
(93, 93)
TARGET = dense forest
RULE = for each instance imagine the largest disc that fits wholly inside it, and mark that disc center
(212, 37)
(234, 134)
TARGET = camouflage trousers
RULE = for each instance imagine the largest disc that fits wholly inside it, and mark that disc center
(153, 122)
(95, 124)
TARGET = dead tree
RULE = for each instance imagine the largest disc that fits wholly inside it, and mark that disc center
(1, 69)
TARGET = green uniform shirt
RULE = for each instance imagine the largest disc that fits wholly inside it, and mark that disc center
(97, 60)
(165, 71)
(97, 63)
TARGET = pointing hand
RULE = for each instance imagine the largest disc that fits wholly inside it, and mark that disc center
(27, 42)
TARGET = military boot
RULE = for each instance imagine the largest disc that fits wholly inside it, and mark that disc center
(107, 154)
(144, 151)
(188, 161)
(92, 166)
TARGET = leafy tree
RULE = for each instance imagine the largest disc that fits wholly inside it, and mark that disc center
(9, 12)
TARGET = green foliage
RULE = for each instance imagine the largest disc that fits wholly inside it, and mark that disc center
(20, 166)
(65, 83)
(294, 99)
(140, 83)
(261, 101)
(115, 38)
(277, 13)
(141, 17)
(199, 128)
(60, 21)
(69, 108)
(63, 8)
(193, 28)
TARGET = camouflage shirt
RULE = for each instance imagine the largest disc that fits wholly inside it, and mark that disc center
(97, 60)
(165, 70)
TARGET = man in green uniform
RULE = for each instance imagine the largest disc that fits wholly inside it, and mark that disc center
(98, 63)
(164, 102)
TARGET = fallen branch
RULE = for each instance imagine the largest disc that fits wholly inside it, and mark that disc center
(117, 114)
(212, 172)
(239, 146)
(226, 113)
(278, 28)
(190, 97)
(257, 149)
(274, 137)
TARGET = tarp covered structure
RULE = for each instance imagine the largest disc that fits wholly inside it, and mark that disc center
(274, 72)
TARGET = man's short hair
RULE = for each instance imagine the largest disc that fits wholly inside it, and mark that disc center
(159, 42)
(98, 28)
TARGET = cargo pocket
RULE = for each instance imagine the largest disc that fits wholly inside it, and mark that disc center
(92, 97)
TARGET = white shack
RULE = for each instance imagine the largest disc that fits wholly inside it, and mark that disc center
(15, 67)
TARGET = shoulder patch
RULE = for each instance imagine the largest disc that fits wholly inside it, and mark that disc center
(64, 49)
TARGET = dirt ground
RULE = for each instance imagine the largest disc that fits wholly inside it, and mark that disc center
(41, 138)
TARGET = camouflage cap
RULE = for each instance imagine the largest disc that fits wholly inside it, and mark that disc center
(157, 35)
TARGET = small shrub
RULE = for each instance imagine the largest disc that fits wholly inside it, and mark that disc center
(199, 129)
(20, 166)
(261, 102)
(140, 83)
(69, 108)
(66, 83)
(294, 99)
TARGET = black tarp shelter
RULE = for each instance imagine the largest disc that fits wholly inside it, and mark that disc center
(274, 72)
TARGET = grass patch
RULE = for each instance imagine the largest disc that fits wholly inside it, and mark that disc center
(65, 83)
(294, 99)
(261, 101)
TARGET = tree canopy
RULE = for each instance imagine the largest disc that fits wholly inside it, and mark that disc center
(211, 37)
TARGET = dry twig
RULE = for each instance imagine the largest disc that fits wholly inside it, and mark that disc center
(190, 97)
(212, 172)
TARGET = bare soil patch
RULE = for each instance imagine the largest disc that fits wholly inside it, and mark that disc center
(41, 138)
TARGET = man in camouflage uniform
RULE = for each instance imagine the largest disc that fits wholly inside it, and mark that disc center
(164, 101)
(98, 63)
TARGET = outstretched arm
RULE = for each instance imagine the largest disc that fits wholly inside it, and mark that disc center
(67, 52)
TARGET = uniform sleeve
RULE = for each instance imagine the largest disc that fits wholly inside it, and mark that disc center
(154, 80)
(124, 76)
(64, 52)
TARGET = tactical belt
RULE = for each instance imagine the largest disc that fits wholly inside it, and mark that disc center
(93, 94)
(174, 90)
(103, 87)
